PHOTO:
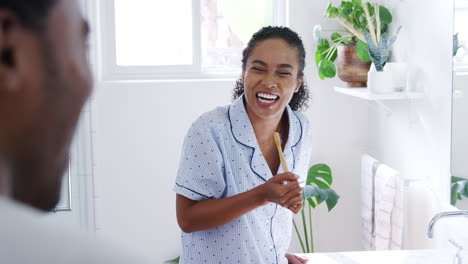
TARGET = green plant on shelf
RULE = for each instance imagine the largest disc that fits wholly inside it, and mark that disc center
(357, 17)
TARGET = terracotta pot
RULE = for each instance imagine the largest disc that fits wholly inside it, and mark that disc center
(351, 69)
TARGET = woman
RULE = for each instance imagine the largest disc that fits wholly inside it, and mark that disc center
(234, 203)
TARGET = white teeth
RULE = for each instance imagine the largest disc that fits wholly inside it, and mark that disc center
(266, 101)
(267, 96)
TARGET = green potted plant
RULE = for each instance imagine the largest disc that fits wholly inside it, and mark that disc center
(316, 191)
(379, 46)
(459, 189)
(350, 49)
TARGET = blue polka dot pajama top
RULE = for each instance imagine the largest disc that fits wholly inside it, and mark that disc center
(221, 158)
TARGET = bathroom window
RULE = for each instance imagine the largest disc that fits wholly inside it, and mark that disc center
(160, 39)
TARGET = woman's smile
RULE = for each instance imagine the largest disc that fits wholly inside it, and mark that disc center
(267, 99)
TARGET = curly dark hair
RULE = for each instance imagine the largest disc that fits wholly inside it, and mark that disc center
(31, 13)
(299, 99)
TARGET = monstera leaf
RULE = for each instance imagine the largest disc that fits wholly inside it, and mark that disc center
(318, 187)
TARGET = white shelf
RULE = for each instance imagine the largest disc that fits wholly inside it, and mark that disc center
(364, 93)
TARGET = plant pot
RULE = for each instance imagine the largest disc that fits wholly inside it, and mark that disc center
(380, 82)
(351, 69)
(399, 72)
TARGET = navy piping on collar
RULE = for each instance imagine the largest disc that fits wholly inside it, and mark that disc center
(300, 138)
(271, 232)
(238, 141)
(233, 134)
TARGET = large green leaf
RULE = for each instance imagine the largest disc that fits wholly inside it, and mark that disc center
(327, 68)
(320, 174)
(332, 199)
(385, 15)
(320, 195)
(362, 50)
(308, 192)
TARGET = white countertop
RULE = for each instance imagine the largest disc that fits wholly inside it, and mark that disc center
(444, 256)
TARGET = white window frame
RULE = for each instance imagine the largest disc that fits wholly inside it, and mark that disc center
(76, 207)
(108, 70)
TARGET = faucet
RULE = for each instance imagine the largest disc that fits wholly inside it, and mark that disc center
(443, 215)
(458, 258)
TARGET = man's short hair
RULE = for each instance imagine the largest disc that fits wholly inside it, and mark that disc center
(31, 13)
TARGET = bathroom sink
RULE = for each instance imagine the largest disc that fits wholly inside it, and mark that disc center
(383, 257)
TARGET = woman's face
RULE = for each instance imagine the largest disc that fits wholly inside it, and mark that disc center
(270, 78)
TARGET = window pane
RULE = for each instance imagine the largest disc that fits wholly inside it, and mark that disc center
(153, 32)
(227, 26)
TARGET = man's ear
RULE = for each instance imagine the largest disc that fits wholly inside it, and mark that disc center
(9, 29)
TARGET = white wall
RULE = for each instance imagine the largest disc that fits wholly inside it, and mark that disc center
(415, 138)
(141, 127)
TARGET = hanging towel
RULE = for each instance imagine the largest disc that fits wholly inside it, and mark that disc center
(388, 211)
(368, 168)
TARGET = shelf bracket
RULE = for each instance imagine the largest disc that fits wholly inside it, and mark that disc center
(388, 110)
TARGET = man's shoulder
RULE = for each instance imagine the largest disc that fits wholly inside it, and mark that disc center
(28, 236)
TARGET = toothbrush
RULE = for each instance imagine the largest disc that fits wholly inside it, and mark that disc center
(284, 165)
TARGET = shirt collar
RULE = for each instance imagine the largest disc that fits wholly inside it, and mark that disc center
(243, 132)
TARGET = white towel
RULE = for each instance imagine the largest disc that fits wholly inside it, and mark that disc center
(388, 211)
(368, 169)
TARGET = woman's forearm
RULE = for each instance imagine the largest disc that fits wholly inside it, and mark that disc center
(202, 215)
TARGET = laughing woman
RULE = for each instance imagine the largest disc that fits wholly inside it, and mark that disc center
(234, 203)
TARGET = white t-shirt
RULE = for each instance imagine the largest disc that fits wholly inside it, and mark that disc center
(26, 236)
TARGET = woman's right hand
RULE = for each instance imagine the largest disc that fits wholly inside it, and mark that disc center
(283, 189)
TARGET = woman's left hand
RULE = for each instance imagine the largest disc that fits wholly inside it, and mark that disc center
(293, 259)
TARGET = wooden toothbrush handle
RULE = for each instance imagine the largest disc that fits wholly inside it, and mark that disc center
(284, 165)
